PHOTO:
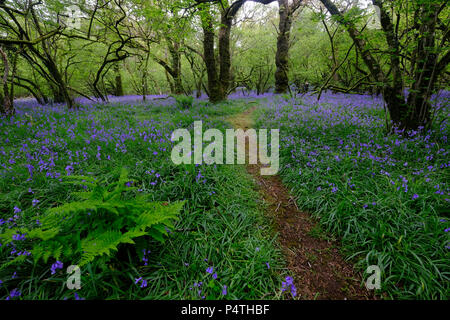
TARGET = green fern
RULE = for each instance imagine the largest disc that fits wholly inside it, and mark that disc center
(95, 226)
(17, 260)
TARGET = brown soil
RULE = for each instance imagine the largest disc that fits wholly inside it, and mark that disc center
(318, 269)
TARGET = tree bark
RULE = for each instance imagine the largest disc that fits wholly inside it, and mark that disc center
(62, 91)
(173, 67)
(282, 54)
(214, 86)
(415, 111)
(174, 50)
(224, 52)
(219, 82)
(51, 65)
(419, 111)
(6, 101)
(118, 81)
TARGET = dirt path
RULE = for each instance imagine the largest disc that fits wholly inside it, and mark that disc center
(319, 270)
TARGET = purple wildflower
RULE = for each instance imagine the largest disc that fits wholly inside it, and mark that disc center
(18, 237)
(289, 285)
(14, 294)
(77, 297)
(57, 265)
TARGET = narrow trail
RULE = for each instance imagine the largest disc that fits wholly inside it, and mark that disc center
(318, 269)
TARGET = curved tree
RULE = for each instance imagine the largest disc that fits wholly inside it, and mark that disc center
(417, 54)
(25, 27)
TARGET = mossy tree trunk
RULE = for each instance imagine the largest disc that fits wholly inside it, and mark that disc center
(414, 110)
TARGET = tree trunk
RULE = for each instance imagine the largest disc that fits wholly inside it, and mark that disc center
(282, 54)
(144, 78)
(224, 52)
(51, 65)
(174, 49)
(58, 96)
(62, 93)
(214, 86)
(118, 81)
(6, 101)
(419, 111)
(219, 84)
(414, 112)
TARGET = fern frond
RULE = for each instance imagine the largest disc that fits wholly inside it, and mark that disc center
(68, 232)
(15, 261)
(102, 244)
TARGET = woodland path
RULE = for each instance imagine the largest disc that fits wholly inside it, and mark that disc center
(318, 269)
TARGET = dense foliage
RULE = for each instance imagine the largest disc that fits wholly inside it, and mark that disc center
(386, 196)
(91, 92)
(220, 227)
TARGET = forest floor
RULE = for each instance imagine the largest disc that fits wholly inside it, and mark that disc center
(347, 197)
(312, 257)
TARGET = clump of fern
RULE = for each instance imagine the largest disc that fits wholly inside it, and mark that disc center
(94, 226)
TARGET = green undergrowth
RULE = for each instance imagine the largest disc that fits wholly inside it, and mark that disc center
(219, 246)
